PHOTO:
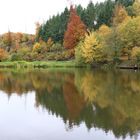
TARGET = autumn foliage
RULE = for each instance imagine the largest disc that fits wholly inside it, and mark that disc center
(37, 47)
(49, 43)
(120, 15)
(92, 50)
(3, 54)
(7, 38)
(103, 33)
(75, 30)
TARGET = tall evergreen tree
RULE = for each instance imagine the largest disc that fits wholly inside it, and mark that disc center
(104, 13)
(55, 27)
(125, 3)
(89, 15)
(93, 17)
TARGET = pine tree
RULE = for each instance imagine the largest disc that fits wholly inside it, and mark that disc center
(89, 16)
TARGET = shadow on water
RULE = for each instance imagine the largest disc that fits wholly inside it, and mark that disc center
(108, 100)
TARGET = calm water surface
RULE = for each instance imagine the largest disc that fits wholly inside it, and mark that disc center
(69, 104)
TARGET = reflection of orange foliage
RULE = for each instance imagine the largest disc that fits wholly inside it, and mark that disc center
(74, 101)
(1, 77)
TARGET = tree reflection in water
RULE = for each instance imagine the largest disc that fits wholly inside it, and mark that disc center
(108, 100)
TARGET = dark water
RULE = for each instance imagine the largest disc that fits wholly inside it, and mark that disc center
(69, 104)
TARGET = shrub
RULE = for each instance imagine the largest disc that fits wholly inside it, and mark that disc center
(68, 54)
(50, 56)
(15, 57)
(24, 50)
(37, 47)
(56, 47)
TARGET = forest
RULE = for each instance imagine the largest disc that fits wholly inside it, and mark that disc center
(105, 32)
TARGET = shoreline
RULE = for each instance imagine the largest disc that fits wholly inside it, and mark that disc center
(40, 64)
(68, 64)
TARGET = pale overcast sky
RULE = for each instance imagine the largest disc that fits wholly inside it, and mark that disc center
(21, 15)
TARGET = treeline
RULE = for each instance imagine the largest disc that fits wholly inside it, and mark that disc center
(13, 43)
(93, 16)
(100, 33)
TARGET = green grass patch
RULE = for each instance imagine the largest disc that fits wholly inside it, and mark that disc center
(39, 64)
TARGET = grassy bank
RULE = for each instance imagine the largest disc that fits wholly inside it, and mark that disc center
(39, 64)
(129, 64)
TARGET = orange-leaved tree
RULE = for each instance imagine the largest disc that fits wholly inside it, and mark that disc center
(76, 30)
(7, 39)
(19, 37)
(3, 54)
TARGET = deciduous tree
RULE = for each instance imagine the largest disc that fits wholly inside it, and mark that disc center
(7, 39)
(136, 8)
(120, 15)
(3, 54)
(75, 30)
(92, 50)
(129, 33)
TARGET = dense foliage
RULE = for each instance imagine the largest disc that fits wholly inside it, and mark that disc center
(101, 32)
(93, 16)
(75, 30)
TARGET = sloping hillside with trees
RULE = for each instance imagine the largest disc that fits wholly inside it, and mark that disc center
(100, 33)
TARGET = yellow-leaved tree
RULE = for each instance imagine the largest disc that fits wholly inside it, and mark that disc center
(104, 31)
(136, 8)
(120, 15)
(113, 38)
(103, 34)
(91, 49)
(136, 53)
(129, 33)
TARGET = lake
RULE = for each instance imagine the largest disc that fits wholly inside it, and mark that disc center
(69, 104)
